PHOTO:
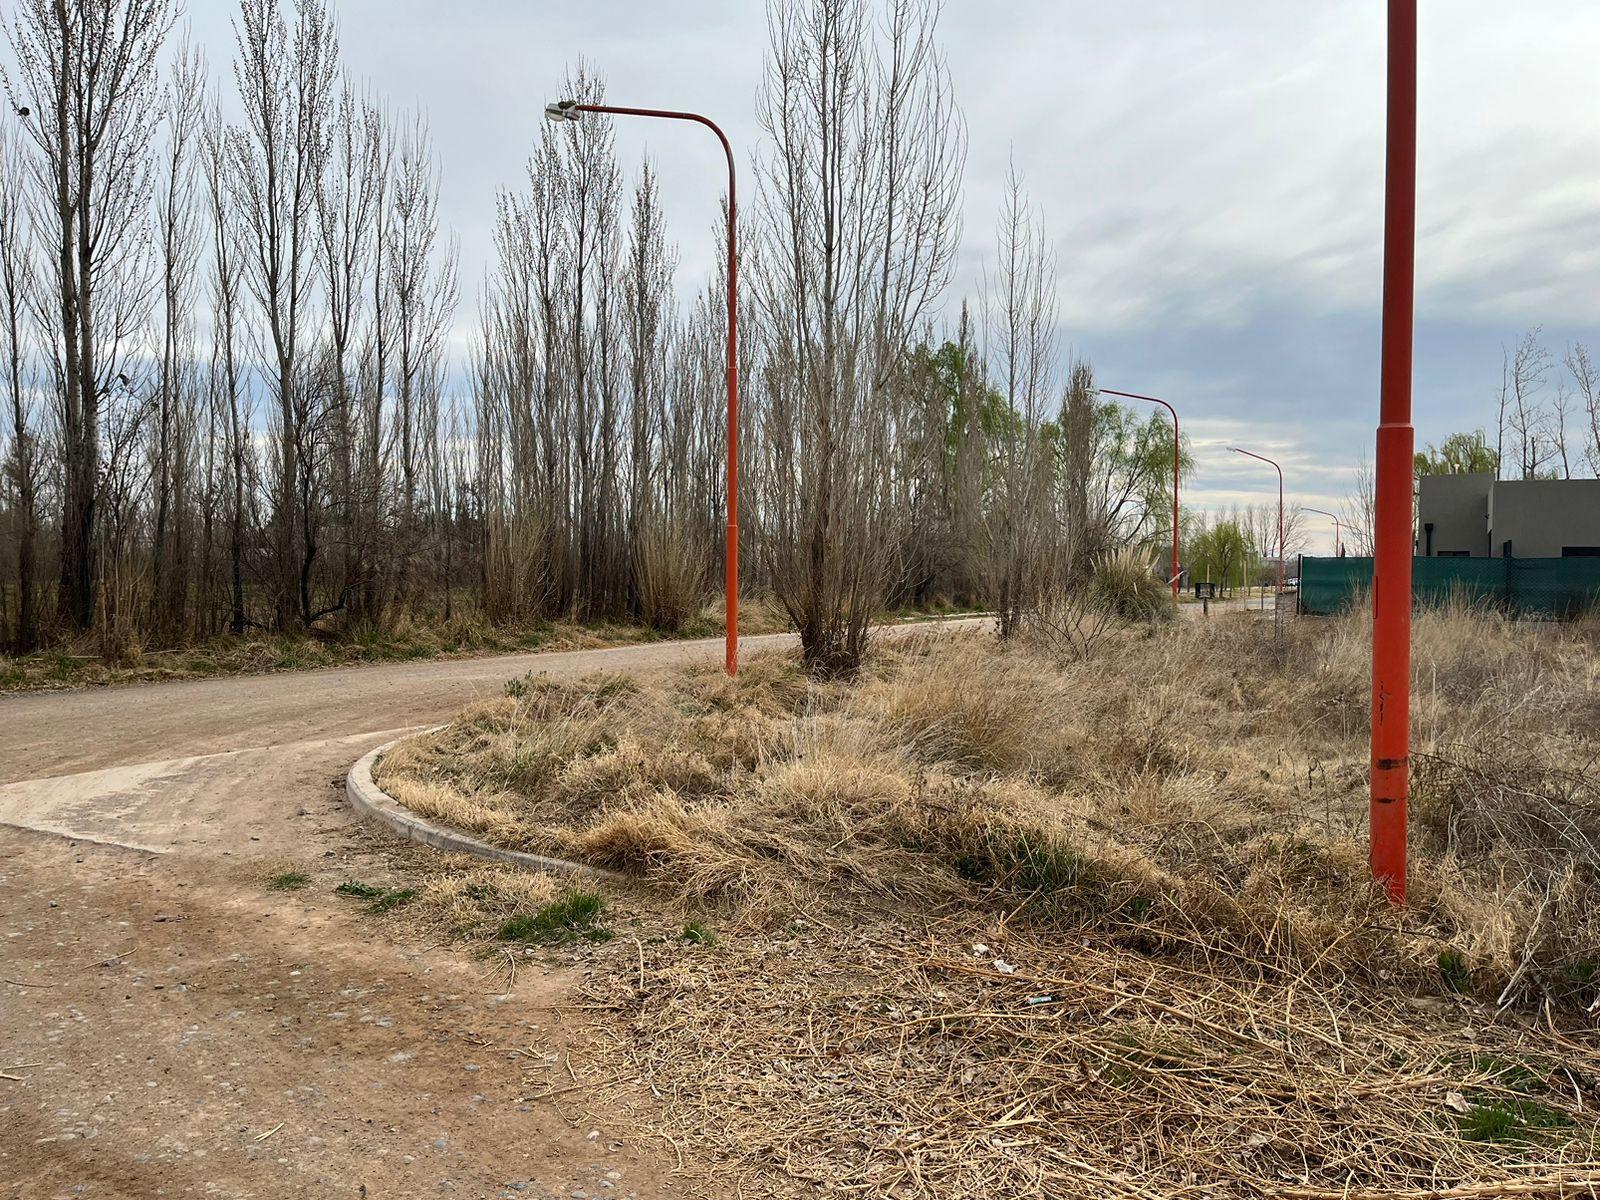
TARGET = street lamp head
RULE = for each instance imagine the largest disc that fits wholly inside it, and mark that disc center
(563, 110)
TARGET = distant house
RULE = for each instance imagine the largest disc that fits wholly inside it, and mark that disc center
(1479, 516)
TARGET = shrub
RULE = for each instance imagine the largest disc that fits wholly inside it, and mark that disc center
(1124, 585)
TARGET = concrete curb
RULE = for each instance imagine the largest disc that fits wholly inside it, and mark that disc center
(373, 803)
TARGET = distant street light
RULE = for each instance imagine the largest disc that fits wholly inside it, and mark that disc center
(1176, 454)
(1392, 549)
(1279, 470)
(572, 110)
(1338, 543)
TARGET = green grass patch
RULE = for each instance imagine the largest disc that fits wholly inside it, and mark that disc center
(698, 934)
(573, 917)
(1529, 1078)
(1519, 1119)
(288, 881)
(392, 899)
(381, 899)
(1514, 1122)
(1453, 970)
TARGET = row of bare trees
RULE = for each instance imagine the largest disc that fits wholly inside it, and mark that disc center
(1543, 432)
(225, 339)
(225, 314)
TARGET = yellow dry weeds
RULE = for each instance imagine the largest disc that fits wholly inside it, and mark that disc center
(1161, 842)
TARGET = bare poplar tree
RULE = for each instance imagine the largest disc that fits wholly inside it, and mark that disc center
(1561, 412)
(858, 210)
(178, 234)
(1586, 379)
(87, 71)
(1523, 408)
(589, 192)
(671, 544)
(23, 459)
(226, 388)
(347, 206)
(1360, 505)
(422, 300)
(1021, 322)
(286, 82)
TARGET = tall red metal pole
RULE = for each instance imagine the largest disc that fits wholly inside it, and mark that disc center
(731, 581)
(1391, 568)
(1279, 470)
(1176, 453)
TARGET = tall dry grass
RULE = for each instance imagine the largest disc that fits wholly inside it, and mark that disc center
(995, 919)
(1199, 789)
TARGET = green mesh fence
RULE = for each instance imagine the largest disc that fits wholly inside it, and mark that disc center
(1536, 587)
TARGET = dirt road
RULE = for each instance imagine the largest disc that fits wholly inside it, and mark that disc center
(172, 1027)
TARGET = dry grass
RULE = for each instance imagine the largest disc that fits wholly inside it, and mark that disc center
(1163, 838)
(119, 658)
(885, 1062)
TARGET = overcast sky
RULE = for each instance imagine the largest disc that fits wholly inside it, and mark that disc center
(1209, 171)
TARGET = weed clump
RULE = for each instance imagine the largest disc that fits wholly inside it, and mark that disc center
(381, 899)
(697, 933)
(1511, 1122)
(573, 917)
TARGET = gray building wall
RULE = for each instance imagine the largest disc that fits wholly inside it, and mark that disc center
(1457, 506)
(1541, 516)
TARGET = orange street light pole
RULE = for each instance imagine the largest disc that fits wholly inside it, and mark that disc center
(572, 110)
(1279, 470)
(1392, 549)
(1176, 453)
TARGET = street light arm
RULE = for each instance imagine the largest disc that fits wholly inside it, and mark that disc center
(1337, 526)
(669, 114)
(1137, 396)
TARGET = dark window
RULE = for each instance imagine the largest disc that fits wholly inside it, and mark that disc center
(1453, 554)
(1580, 552)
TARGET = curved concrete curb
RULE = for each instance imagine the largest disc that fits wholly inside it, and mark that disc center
(375, 804)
